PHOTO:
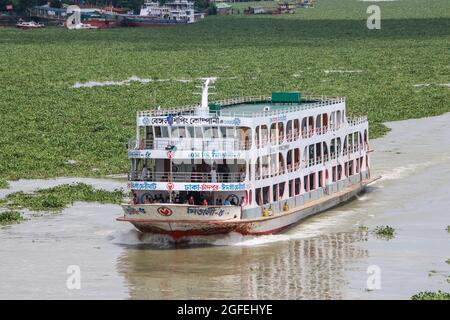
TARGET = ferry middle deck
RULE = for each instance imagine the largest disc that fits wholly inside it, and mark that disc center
(258, 153)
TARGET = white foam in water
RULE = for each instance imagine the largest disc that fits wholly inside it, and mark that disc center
(131, 79)
(342, 71)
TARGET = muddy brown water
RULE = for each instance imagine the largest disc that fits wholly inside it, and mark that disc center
(324, 257)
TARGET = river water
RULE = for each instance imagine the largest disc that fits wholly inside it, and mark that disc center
(325, 257)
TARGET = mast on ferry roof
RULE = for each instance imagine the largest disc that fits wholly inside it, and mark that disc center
(203, 110)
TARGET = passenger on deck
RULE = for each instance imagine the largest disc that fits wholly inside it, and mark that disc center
(144, 174)
(213, 174)
(135, 198)
(227, 202)
(242, 201)
(205, 202)
(191, 201)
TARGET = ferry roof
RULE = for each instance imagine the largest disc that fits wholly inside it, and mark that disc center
(249, 107)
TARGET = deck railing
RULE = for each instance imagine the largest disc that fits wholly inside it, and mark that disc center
(203, 177)
(190, 110)
(192, 144)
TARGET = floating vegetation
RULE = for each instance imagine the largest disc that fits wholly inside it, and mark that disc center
(386, 232)
(448, 229)
(3, 184)
(428, 295)
(363, 229)
(59, 197)
(45, 122)
(447, 261)
(9, 217)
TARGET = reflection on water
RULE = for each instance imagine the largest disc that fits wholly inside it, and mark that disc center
(307, 268)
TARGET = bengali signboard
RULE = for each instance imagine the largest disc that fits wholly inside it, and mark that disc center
(178, 120)
(181, 186)
(181, 212)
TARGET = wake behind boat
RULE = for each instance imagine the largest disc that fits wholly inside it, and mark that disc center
(253, 165)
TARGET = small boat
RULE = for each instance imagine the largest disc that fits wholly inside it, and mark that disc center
(29, 25)
(251, 165)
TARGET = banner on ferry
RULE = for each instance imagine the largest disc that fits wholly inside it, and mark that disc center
(181, 212)
(188, 154)
(192, 121)
(180, 186)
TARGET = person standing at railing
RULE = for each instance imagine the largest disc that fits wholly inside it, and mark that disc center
(213, 174)
(144, 174)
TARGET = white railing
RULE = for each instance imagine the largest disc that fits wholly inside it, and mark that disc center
(353, 121)
(191, 109)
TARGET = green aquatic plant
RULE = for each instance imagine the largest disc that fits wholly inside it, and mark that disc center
(51, 129)
(428, 295)
(447, 261)
(59, 197)
(448, 229)
(3, 184)
(386, 232)
(9, 217)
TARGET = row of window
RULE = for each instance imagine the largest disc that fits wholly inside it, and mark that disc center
(310, 182)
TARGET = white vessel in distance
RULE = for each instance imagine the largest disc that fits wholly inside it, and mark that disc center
(253, 165)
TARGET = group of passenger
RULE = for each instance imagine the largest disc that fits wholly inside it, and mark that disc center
(189, 200)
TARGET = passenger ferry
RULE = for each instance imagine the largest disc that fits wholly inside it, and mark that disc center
(253, 165)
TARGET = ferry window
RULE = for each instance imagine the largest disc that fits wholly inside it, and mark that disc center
(304, 128)
(346, 169)
(174, 132)
(266, 195)
(265, 166)
(257, 137)
(281, 188)
(333, 174)
(319, 122)
(296, 158)
(325, 121)
(365, 136)
(164, 132)
(350, 167)
(249, 171)
(291, 188)
(296, 129)
(273, 133)
(345, 143)
(280, 163)
(355, 138)
(311, 151)
(338, 149)
(273, 165)
(289, 160)
(258, 196)
(223, 132)
(306, 183)
(357, 165)
(320, 179)
(332, 122)
(297, 186)
(289, 131)
(250, 194)
(339, 171)
(182, 132)
(318, 150)
(207, 133)
(332, 146)
(157, 132)
(312, 181)
(198, 132)
(325, 151)
(275, 192)
(258, 169)
(338, 120)
(263, 135)
(311, 125)
(190, 131)
(280, 132)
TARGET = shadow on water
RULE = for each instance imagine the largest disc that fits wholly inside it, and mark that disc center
(314, 268)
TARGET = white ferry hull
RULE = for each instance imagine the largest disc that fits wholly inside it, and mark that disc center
(179, 229)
